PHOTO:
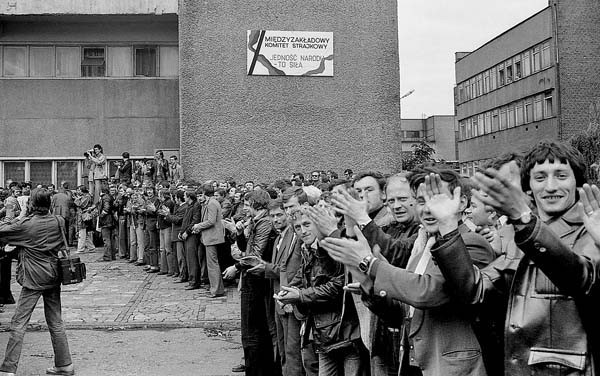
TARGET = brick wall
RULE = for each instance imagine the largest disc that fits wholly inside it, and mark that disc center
(578, 26)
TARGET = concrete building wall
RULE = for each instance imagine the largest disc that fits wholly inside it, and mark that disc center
(534, 30)
(578, 36)
(265, 127)
(64, 117)
(514, 139)
(88, 29)
(52, 7)
(442, 127)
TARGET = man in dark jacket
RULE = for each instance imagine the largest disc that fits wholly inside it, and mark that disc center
(190, 218)
(176, 219)
(317, 291)
(106, 223)
(550, 282)
(125, 169)
(256, 338)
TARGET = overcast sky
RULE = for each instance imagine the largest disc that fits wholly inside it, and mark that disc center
(430, 32)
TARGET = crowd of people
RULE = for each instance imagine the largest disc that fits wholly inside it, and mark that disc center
(417, 273)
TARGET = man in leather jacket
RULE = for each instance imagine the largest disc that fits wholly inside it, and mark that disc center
(551, 281)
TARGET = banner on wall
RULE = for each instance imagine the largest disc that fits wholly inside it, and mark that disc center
(289, 53)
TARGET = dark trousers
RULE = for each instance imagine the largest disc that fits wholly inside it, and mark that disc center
(181, 260)
(193, 264)
(256, 339)
(151, 252)
(107, 239)
(123, 235)
(288, 334)
(6, 296)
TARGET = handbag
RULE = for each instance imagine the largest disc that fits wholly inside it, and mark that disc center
(71, 270)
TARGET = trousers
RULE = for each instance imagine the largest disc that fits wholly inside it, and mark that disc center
(52, 310)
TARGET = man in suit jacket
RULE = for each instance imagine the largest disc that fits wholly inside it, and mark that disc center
(212, 234)
(125, 169)
(438, 335)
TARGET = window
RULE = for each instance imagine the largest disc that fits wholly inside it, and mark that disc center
(41, 62)
(40, 172)
(486, 81)
(473, 82)
(546, 55)
(481, 125)
(412, 134)
(15, 61)
(538, 108)
(169, 61)
(475, 126)
(93, 63)
(14, 171)
(518, 68)
(509, 71)
(548, 105)
(528, 111)
(67, 61)
(145, 61)
(501, 75)
(536, 59)
(120, 62)
(526, 64)
(469, 128)
(493, 79)
(519, 113)
(460, 91)
(67, 171)
(511, 116)
(503, 119)
(479, 85)
(495, 121)
(463, 130)
(487, 122)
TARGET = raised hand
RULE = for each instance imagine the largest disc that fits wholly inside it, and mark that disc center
(324, 221)
(590, 204)
(348, 206)
(348, 251)
(500, 193)
(443, 204)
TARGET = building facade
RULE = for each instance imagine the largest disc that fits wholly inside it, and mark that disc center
(535, 81)
(437, 130)
(75, 74)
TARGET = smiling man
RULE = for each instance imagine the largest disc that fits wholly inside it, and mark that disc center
(370, 188)
(551, 284)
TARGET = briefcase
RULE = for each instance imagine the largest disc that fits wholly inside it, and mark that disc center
(72, 270)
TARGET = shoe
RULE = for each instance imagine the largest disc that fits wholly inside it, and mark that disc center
(132, 261)
(152, 270)
(139, 263)
(66, 370)
(212, 296)
(163, 273)
(192, 287)
(181, 281)
(175, 275)
(239, 368)
(147, 267)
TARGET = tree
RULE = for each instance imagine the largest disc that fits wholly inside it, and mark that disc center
(588, 143)
(421, 155)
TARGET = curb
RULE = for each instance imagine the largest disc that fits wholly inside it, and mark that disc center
(205, 324)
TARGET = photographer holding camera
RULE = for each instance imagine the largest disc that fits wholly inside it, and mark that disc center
(95, 161)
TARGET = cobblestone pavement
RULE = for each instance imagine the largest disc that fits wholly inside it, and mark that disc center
(120, 295)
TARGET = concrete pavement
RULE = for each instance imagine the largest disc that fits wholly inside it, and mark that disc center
(119, 295)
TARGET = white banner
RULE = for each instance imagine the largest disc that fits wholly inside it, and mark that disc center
(289, 53)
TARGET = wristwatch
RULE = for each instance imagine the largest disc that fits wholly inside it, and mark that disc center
(363, 266)
(523, 219)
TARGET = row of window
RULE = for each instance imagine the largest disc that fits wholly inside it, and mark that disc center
(514, 114)
(513, 69)
(49, 171)
(412, 134)
(470, 168)
(89, 61)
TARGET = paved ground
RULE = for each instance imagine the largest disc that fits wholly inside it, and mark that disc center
(148, 352)
(119, 295)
